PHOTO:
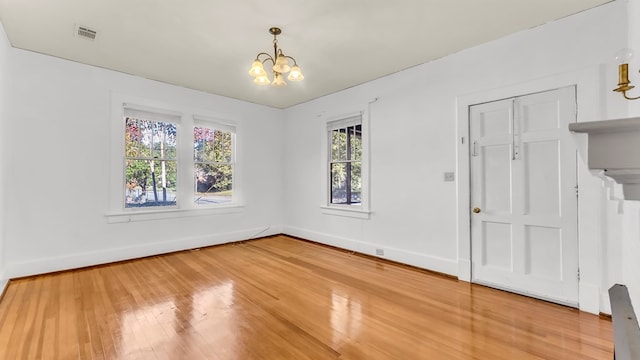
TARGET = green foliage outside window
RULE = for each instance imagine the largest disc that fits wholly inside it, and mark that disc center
(150, 163)
(346, 165)
(213, 157)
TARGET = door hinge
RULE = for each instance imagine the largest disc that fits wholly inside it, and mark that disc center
(577, 190)
(578, 274)
(474, 149)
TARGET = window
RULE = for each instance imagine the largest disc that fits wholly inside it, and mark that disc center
(345, 161)
(213, 163)
(168, 162)
(150, 159)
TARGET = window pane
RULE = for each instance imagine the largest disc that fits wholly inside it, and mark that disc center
(213, 184)
(339, 145)
(356, 142)
(138, 137)
(163, 137)
(338, 183)
(212, 145)
(198, 145)
(343, 144)
(201, 136)
(150, 139)
(146, 138)
(131, 138)
(356, 181)
(222, 147)
(150, 183)
(170, 141)
(335, 145)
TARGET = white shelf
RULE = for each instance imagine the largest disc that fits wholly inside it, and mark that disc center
(614, 146)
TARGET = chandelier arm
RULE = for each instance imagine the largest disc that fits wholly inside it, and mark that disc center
(268, 59)
(624, 93)
(291, 57)
(264, 53)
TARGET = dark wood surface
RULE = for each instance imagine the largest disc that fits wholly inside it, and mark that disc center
(283, 298)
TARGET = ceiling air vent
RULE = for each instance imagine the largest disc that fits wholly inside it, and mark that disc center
(85, 33)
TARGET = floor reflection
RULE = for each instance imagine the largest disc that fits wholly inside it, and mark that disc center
(346, 318)
(215, 319)
(178, 328)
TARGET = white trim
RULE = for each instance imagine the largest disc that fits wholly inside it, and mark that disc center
(349, 116)
(211, 122)
(4, 283)
(344, 115)
(188, 116)
(354, 212)
(433, 263)
(349, 120)
(590, 299)
(170, 213)
(143, 112)
(105, 256)
(588, 95)
(464, 269)
(541, 296)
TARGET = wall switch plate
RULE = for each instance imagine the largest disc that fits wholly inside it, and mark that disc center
(380, 252)
(449, 176)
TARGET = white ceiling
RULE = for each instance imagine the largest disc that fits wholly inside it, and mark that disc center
(209, 45)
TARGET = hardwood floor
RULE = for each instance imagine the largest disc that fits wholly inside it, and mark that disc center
(283, 298)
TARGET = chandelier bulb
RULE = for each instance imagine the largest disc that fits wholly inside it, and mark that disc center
(257, 69)
(262, 80)
(295, 74)
(281, 65)
(278, 81)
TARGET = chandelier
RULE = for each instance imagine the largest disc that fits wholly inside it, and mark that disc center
(280, 66)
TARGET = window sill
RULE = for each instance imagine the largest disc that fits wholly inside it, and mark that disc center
(357, 213)
(146, 215)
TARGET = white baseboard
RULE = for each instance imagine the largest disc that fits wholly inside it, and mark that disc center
(79, 260)
(4, 282)
(445, 266)
(464, 270)
(590, 299)
(601, 296)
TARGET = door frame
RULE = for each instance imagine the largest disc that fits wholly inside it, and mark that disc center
(567, 199)
(588, 93)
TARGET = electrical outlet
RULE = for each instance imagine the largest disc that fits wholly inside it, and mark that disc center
(380, 252)
(449, 176)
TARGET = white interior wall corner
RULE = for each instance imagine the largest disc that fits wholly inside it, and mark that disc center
(4, 118)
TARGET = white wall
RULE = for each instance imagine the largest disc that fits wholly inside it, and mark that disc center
(631, 210)
(415, 214)
(4, 120)
(57, 174)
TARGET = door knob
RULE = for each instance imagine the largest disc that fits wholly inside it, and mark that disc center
(476, 210)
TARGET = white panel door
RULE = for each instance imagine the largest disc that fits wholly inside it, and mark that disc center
(523, 195)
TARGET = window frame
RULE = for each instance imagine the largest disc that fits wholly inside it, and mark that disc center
(361, 210)
(185, 206)
(152, 116)
(200, 121)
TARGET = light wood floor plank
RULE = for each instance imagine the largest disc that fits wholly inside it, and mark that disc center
(283, 298)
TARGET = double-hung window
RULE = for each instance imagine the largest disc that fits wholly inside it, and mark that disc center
(345, 161)
(151, 167)
(213, 155)
(170, 162)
